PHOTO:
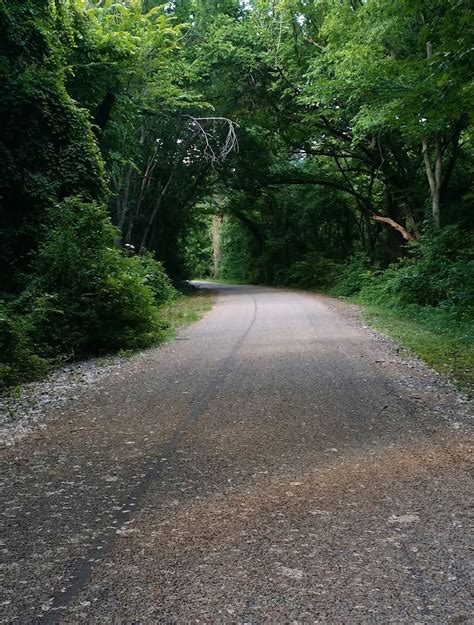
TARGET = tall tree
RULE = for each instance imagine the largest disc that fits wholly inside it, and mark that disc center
(47, 147)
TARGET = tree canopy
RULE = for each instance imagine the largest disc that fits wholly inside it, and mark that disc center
(317, 140)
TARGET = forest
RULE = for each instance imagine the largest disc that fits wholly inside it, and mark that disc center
(317, 144)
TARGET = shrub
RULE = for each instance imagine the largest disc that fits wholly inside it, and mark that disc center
(314, 271)
(438, 272)
(85, 296)
(352, 276)
(152, 274)
(17, 358)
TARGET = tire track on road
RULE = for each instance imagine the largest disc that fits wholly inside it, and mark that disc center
(83, 569)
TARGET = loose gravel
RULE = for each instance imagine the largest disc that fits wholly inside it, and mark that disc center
(25, 407)
(281, 463)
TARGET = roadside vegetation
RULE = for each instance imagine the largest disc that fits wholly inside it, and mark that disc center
(325, 145)
(424, 301)
(187, 307)
(440, 341)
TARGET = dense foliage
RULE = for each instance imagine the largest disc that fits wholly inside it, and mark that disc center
(322, 144)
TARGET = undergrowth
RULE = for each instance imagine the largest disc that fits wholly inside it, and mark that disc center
(443, 342)
(85, 297)
(186, 308)
(425, 301)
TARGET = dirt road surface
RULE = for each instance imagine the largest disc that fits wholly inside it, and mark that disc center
(277, 463)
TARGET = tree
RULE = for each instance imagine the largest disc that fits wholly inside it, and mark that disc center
(47, 146)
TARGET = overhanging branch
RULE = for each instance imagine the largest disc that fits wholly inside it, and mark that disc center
(391, 222)
(361, 201)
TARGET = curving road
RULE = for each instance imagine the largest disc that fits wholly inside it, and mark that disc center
(278, 463)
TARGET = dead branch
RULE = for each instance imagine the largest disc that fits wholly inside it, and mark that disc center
(403, 231)
(207, 128)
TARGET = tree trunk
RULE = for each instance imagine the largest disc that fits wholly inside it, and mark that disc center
(154, 214)
(104, 110)
(434, 175)
(146, 179)
(122, 200)
(216, 244)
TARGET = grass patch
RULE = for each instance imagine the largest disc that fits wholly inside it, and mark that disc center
(183, 310)
(435, 335)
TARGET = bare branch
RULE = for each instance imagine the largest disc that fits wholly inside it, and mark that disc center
(207, 128)
(391, 222)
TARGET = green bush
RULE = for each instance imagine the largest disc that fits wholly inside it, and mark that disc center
(438, 272)
(152, 274)
(352, 276)
(314, 271)
(85, 296)
(17, 358)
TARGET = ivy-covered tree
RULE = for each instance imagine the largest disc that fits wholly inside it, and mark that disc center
(47, 147)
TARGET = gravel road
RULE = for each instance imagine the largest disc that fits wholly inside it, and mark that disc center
(277, 463)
